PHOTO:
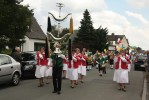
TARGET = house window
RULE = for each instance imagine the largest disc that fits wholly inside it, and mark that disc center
(113, 42)
(37, 46)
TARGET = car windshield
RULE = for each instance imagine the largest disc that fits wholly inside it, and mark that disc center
(28, 56)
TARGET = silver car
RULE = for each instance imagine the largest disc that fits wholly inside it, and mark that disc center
(10, 70)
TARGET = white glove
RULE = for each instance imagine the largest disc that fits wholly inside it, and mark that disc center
(97, 62)
(62, 56)
(123, 59)
(74, 59)
(83, 59)
(40, 56)
(103, 62)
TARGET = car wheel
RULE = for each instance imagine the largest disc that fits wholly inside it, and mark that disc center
(15, 79)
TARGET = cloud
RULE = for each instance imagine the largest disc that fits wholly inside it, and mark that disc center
(85, 4)
(110, 19)
(41, 9)
(138, 36)
(119, 24)
(138, 3)
(138, 17)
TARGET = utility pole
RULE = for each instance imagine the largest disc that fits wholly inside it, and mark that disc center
(59, 5)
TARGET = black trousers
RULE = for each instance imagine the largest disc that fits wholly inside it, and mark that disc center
(100, 68)
(57, 78)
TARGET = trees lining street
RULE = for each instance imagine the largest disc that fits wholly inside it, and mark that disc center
(15, 20)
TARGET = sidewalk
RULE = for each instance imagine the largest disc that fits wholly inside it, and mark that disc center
(145, 93)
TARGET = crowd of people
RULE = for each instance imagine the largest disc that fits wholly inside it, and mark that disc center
(58, 66)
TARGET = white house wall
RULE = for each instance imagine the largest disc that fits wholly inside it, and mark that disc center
(124, 43)
(29, 44)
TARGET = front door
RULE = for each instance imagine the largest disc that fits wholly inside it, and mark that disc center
(6, 68)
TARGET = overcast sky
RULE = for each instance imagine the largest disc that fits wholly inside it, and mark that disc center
(127, 17)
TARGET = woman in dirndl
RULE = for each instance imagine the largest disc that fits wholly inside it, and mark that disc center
(73, 70)
(83, 66)
(79, 56)
(41, 66)
(121, 71)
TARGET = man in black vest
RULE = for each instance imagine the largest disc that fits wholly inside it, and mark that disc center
(57, 58)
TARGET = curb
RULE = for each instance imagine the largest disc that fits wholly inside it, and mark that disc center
(144, 94)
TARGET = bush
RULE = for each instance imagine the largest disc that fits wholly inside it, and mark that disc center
(6, 51)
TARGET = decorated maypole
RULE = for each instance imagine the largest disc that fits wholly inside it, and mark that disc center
(59, 39)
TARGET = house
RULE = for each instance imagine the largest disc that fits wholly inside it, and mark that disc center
(119, 41)
(35, 38)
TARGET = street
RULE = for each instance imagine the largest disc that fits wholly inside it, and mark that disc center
(93, 88)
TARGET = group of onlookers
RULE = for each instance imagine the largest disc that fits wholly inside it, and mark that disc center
(58, 65)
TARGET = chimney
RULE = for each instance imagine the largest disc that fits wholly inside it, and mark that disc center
(113, 34)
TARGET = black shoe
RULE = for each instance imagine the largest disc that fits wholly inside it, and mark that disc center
(104, 72)
(76, 83)
(123, 90)
(58, 92)
(40, 85)
(72, 86)
(54, 91)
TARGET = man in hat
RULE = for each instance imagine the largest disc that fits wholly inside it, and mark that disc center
(57, 57)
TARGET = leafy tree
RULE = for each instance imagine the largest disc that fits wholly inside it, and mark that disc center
(85, 32)
(15, 20)
(139, 49)
(100, 40)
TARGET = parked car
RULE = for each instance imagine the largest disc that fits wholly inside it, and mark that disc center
(139, 62)
(28, 64)
(10, 70)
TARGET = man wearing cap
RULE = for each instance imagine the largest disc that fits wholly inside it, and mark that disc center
(57, 57)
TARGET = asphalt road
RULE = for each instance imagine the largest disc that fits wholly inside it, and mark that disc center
(94, 88)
